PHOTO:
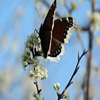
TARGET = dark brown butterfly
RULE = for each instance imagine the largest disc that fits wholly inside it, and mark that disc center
(54, 33)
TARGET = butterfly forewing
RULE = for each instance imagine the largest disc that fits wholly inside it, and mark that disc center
(49, 20)
(45, 32)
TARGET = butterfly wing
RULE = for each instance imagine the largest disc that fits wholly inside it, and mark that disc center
(45, 32)
(61, 34)
(63, 29)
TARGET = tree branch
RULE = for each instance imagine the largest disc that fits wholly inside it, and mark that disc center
(74, 73)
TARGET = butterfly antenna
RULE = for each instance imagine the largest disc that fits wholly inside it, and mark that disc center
(38, 14)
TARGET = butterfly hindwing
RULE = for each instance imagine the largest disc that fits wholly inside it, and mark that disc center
(62, 30)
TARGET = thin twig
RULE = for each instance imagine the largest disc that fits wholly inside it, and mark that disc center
(67, 8)
(37, 88)
(75, 71)
(80, 39)
(33, 50)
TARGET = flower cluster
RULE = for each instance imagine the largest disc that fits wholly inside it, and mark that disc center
(31, 46)
(65, 95)
(95, 17)
(30, 57)
(39, 73)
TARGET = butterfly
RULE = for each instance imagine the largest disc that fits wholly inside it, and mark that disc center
(54, 33)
